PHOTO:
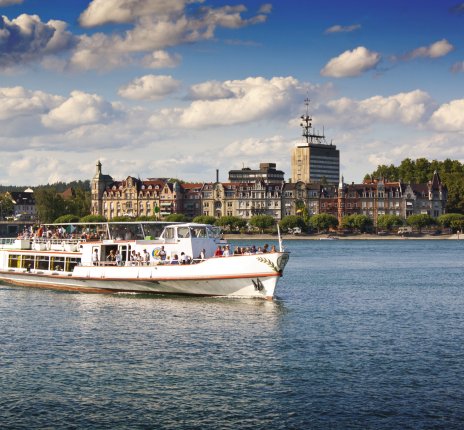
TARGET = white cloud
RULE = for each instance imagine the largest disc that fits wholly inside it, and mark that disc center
(255, 149)
(26, 38)
(342, 28)
(435, 50)
(20, 102)
(211, 90)
(156, 26)
(161, 59)
(149, 87)
(407, 108)
(79, 109)
(351, 63)
(101, 12)
(449, 117)
(254, 99)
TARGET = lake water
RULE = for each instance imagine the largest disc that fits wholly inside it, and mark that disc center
(362, 335)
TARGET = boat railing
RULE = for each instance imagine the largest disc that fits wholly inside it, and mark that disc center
(7, 243)
(56, 244)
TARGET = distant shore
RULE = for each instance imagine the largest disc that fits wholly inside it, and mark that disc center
(344, 237)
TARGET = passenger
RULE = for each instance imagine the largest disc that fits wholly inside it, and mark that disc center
(218, 252)
(162, 254)
(133, 258)
(253, 249)
(117, 258)
(259, 250)
(146, 257)
(175, 259)
(273, 249)
(265, 248)
(111, 257)
(95, 258)
(226, 251)
(183, 258)
(202, 255)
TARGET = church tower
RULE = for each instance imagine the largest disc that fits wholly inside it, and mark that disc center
(98, 184)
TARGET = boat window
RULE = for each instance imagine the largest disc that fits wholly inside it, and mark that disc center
(27, 261)
(168, 233)
(199, 232)
(71, 263)
(153, 230)
(41, 262)
(183, 232)
(57, 263)
(14, 260)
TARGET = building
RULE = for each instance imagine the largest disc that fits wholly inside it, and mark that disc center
(24, 204)
(267, 172)
(314, 160)
(157, 197)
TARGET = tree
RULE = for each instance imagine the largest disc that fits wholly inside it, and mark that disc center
(146, 218)
(49, 204)
(262, 222)
(122, 218)
(231, 223)
(420, 221)
(323, 222)
(93, 218)
(292, 221)
(388, 221)
(357, 222)
(176, 218)
(204, 219)
(66, 219)
(79, 204)
(453, 220)
(6, 206)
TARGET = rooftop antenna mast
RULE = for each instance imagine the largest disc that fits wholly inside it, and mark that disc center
(306, 125)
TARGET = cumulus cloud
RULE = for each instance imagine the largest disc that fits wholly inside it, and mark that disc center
(449, 117)
(342, 28)
(351, 63)
(435, 50)
(149, 87)
(26, 38)
(20, 102)
(79, 109)
(251, 99)
(211, 90)
(100, 12)
(156, 26)
(160, 60)
(256, 149)
(407, 108)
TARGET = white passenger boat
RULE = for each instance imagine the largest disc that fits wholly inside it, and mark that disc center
(79, 257)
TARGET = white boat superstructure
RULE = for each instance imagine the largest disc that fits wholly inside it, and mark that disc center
(144, 257)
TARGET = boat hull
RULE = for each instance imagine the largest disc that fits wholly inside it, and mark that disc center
(253, 276)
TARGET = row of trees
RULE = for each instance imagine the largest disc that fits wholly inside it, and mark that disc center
(421, 170)
(362, 223)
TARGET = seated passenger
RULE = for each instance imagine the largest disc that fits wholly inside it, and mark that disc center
(175, 259)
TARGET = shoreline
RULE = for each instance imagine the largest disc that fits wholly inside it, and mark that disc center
(345, 237)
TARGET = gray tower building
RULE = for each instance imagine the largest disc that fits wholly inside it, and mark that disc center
(314, 160)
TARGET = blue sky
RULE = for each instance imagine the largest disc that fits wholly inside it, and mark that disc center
(162, 88)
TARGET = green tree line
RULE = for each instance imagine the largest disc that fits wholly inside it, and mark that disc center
(421, 170)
